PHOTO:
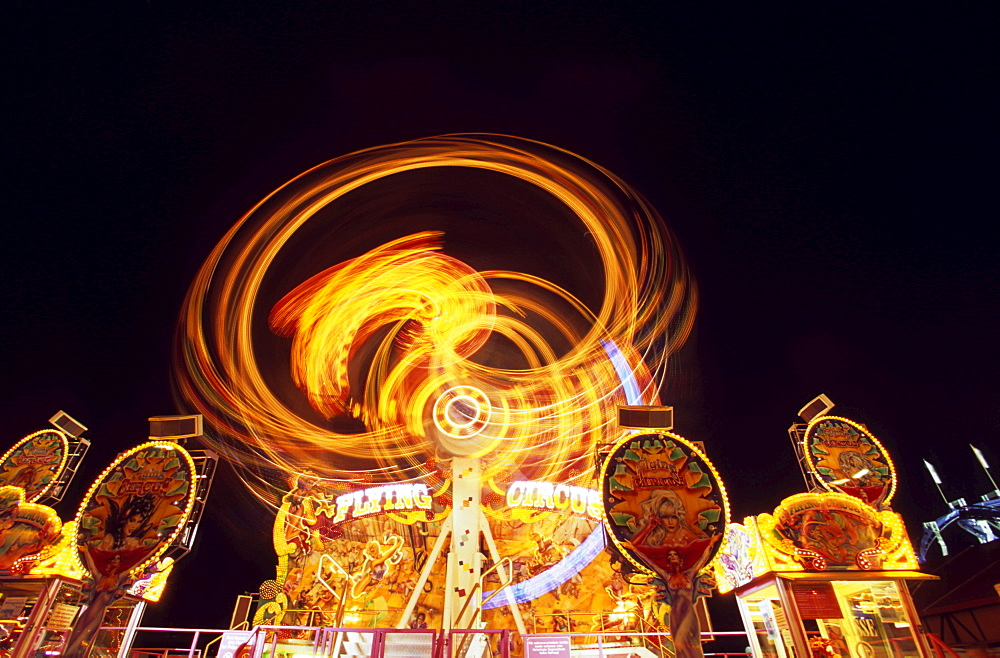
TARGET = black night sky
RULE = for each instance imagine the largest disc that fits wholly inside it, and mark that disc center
(825, 169)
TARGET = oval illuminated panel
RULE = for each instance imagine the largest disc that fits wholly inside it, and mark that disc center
(665, 505)
(135, 509)
(35, 463)
(846, 457)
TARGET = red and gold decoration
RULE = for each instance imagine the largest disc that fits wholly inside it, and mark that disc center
(816, 532)
(135, 509)
(130, 516)
(824, 574)
(666, 511)
(26, 530)
(35, 462)
(834, 531)
(845, 457)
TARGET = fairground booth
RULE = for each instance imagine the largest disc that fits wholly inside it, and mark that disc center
(60, 583)
(391, 556)
(825, 573)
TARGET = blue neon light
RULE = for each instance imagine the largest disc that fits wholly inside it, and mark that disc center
(550, 579)
(592, 546)
(625, 373)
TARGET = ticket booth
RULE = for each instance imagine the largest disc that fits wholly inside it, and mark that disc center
(850, 615)
(824, 576)
(37, 613)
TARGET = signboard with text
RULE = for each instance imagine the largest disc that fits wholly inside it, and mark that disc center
(552, 646)
(235, 644)
(130, 516)
(666, 511)
(34, 463)
(846, 458)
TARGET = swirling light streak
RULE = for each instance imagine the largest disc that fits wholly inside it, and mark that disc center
(382, 336)
(563, 571)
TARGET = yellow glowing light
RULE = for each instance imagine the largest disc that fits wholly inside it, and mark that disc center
(462, 412)
(186, 505)
(63, 445)
(831, 485)
(624, 612)
(893, 550)
(724, 517)
(412, 321)
(60, 558)
(150, 588)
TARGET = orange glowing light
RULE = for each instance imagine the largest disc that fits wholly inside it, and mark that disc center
(392, 339)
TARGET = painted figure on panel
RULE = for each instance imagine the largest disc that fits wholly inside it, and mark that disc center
(666, 511)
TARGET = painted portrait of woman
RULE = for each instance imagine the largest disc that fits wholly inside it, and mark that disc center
(127, 525)
(666, 523)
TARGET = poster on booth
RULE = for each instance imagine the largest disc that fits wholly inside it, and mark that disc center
(132, 513)
(666, 511)
(236, 644)
(34, 463)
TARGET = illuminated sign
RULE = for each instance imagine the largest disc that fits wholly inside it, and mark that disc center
(132, 513)
(545, 495)
(846, 458)
(134, 509)
(34, 463)
(666, 512)
(666, 505)
(387, 498)
(833, 531)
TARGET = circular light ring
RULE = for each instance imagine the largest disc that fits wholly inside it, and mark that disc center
(466, 424)
(717, 479)
(551, 414)
(62, 450)
(184, 505)
(823, 479)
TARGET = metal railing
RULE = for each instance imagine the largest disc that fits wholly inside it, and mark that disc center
(658, 642)
(450, 649)
(192, 650)
(322, 641)
(941, 650)
(478, 587)
(242, 626)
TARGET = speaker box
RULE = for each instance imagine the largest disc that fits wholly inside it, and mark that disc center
(68, 424)
(241, 611)
(816, 407)
(175, 427)
(660, 418)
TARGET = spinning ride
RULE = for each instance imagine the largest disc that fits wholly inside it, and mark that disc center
(430, 340)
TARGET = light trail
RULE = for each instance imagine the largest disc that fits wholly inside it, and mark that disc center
(379, 338)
